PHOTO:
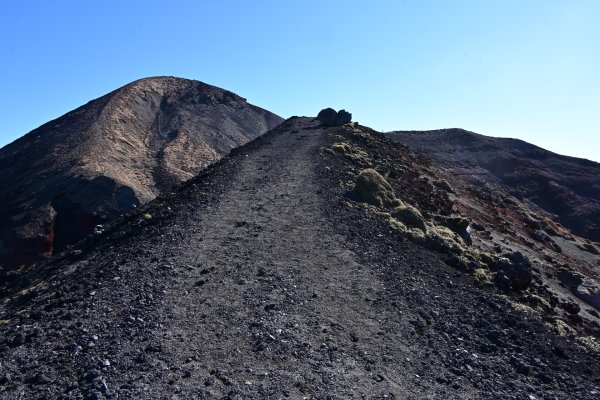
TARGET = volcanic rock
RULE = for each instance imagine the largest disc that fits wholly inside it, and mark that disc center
(329, 117)
(516, 268)
(372, 188)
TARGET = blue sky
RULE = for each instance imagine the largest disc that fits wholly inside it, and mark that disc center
(526, 69)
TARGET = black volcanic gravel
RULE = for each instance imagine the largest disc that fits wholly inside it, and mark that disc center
(255, 280)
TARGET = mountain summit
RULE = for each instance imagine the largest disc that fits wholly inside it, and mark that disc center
(109, 156)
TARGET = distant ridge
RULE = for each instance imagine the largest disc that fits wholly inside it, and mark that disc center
(564, 186)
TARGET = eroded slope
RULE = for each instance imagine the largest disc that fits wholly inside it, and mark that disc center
(109, 156)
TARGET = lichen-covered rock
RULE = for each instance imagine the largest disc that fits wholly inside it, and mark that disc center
(410, 216)
(459, 225)
(442, 239)
(355, 153)
(569, 277)
(372, 188)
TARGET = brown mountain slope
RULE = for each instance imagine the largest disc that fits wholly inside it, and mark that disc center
(566, 188)
(111, 155)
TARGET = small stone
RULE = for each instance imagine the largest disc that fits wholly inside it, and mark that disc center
(94, 395)
(104, 387)
(91, 375)
(17, 340)
(39, 379)
(37, 332)
(4, 379)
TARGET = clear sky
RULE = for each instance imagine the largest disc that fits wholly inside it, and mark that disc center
(527, 69)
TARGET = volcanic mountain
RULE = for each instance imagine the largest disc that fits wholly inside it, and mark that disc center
(564, 188)
(109, 156)
(316, 261)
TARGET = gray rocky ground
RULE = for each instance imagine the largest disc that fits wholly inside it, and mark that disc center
(260, 279)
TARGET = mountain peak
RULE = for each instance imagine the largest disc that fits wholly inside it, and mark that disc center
(111, 155)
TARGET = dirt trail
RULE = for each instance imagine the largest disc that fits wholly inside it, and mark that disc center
(273, 294)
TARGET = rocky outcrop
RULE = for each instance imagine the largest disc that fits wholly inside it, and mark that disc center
(329, 117)
(109, 156)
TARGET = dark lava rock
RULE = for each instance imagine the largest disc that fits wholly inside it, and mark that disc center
(270, 307)
(570, 307)
(456, 223)
(344, 117)
(39, 379)
(91, 375)
(516, 268)
(330, 117)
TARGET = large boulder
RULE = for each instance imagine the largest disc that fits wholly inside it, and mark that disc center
(372, 188)
(513, 272)
(343, 117)
(329, 117)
